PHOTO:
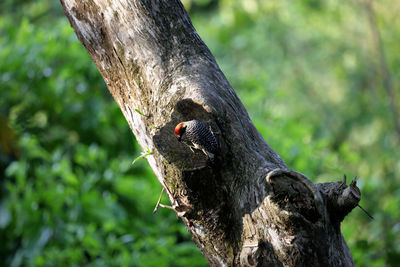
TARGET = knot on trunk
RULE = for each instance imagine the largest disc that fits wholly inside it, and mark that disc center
(295, 194)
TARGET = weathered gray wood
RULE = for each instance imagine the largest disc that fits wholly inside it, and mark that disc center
(247, 208)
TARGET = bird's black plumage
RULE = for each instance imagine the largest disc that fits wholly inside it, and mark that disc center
(196, 134)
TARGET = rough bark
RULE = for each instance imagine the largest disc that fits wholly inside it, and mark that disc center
(247, 208)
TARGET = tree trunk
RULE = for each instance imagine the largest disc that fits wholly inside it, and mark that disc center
(247, 208)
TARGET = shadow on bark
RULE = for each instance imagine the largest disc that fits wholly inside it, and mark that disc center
(287, 207)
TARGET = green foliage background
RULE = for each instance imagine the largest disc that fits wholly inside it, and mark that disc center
(309, 73)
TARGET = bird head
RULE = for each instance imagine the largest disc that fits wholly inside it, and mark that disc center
(180, 130)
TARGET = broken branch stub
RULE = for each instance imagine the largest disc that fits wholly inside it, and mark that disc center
(341, 198)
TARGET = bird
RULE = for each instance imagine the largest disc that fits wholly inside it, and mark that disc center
(196, 135)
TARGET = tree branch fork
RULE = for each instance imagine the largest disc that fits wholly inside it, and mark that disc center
(297, 213)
